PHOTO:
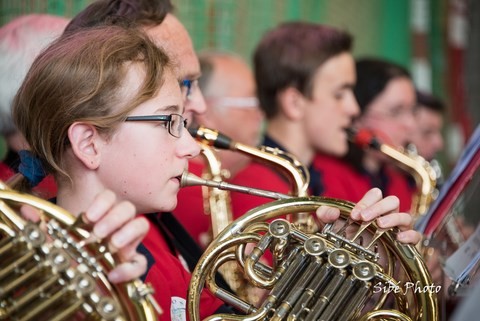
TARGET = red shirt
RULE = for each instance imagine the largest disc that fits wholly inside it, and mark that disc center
(342, 180)
(190, 211)
(256, 176)
(170, 279)
(5, 172)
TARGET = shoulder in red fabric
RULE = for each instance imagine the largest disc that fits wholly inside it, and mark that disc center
(170, 280)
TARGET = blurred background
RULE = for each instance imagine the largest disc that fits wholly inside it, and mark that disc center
(437, 40)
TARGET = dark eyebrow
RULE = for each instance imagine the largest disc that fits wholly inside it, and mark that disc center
(171, 108)
(191, 77)
(350, 86)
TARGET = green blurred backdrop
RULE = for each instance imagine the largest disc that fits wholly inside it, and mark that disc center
(381, 27)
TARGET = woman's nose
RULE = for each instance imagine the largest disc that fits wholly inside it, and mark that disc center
(188, 146)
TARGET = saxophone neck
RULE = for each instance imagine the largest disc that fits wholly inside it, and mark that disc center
(297, 174)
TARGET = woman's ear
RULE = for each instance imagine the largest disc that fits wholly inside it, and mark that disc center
(292, 103)
(84, 139)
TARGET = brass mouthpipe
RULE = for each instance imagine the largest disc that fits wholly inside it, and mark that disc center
(189, 179)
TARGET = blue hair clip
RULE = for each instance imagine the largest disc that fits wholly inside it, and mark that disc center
(31, 167)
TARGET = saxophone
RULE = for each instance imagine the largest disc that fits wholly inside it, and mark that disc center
(409, 161)
(49, 272)
(287, 164)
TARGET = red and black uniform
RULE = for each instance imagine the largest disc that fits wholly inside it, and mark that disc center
(263, 176)
(344, 181)
(171, 254)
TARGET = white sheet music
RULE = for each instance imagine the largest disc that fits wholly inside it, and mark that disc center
(459, 265)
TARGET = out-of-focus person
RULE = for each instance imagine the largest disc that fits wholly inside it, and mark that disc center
(156, 18)
(386, 95)
(429, 113)
(305, 74)
(21, 40)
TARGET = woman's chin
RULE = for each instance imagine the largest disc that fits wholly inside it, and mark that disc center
(339, 150)
(158, 207)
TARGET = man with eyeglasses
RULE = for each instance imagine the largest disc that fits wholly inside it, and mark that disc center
(229, 88)
(228, 85)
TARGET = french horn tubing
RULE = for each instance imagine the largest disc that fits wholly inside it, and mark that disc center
(49, 272)
(345, 271)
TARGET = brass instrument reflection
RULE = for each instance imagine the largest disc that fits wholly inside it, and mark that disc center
(49, 272)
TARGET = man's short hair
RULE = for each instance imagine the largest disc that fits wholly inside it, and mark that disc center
(138, 12)
(429, 101)
(290, 54)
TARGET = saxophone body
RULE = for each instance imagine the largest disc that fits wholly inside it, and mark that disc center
(410, 162)
(49, 272)
(217, 202)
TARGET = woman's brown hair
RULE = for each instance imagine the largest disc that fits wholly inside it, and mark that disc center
(78, 78)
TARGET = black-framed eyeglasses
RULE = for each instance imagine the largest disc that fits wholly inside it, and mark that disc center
(175, 122)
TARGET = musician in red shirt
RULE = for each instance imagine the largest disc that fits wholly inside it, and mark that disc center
(387, 98)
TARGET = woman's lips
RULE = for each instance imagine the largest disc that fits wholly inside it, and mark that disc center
(176, 179)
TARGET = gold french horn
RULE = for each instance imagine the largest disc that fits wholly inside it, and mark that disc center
(346, 271)
(49, 272)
